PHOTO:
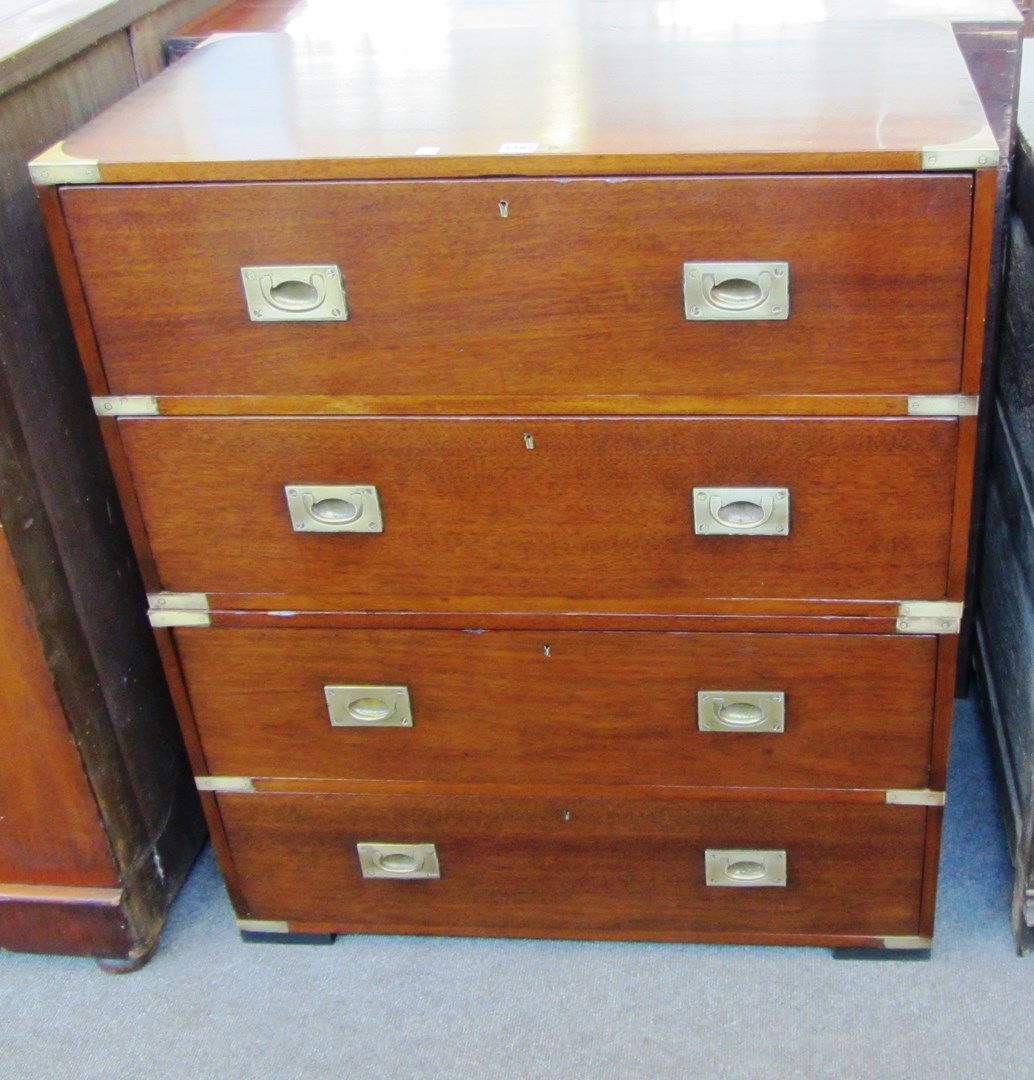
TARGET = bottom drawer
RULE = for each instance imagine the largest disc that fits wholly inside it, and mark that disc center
(630, 867)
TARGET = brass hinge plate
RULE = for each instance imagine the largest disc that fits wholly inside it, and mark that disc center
(907, 797)
(178, 609)
(54, 166)
(943, 404)
(225, 784)
(907, 942)
(126, 405)
(979, 151)
(929, 617)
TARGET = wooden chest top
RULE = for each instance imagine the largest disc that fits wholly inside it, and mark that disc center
(534, 100)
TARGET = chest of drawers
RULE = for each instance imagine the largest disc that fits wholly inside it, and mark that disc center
(554, 504)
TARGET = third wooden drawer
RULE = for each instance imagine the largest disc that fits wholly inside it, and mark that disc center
(525, 707)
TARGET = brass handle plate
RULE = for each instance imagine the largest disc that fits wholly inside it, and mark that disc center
(738, 511)
(736, 291)
(737, 868)
(399, 862)
(368, 706)
(294, 293)
(745, 711)
(334, 508)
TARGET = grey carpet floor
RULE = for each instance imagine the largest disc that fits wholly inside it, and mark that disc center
(210, 1006)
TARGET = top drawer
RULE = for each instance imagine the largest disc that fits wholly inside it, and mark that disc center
(529, 286)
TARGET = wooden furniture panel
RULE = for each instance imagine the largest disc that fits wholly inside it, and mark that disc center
(613, 867)
(599, 508)
(577, 289)
(99, 822)
(539, 542)
(50, 828)
(613, 708)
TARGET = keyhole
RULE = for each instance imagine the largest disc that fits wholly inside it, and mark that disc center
(504, 208)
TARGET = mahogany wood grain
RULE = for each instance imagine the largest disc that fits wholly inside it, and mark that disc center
(577, 291)
(60, 245)
(833, 97)
(598, 509)
(71, 928)
(597, 708)
(983, 239)
(962, 516)
(50, 827)
(537, 405)
(598, 865)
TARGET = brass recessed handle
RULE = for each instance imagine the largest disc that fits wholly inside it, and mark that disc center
(748, 711)
(294, 293)
(731, 291)
(402, 862)
(334, 508)
(741, 511)
(368, 706)
(737, 868)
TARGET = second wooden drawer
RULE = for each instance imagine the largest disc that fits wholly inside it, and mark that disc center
(515, 511)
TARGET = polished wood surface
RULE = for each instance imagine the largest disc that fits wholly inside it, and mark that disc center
(50, 827)
(580, 708)
(598, 508)
(311, 18)
(429, 100)
(555, 756)
(577, 290)
(607, 867)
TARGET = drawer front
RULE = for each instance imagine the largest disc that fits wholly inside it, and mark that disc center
(529, 286)
(577, 867)
(530, 509)
(581, 708)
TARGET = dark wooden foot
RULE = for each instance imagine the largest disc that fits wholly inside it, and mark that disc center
(851, 953)
(261, 937)
(124, 966)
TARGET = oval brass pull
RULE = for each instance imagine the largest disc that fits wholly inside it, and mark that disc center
(745, 870)
(741, 714)
(761, 511)
(735, 868)
(311, 293)
(368, 706)
(335, 511)
(416, 862)
(334, 508)
(732, 291)
(370, 710)
(746, 712)
(742, 514)
(397, 862)
(295, 295)
(737, 294)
